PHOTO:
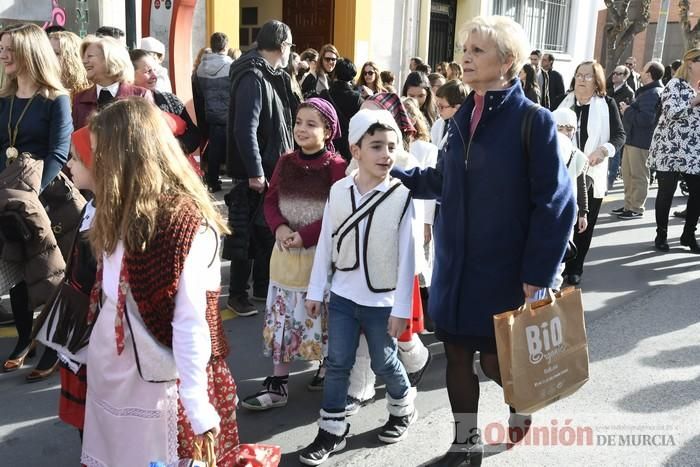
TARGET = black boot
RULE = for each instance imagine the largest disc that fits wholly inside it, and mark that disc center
(470, 454)
(660, 242)
(688, 239)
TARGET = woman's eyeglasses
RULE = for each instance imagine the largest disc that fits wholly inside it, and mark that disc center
(369, 72)
(330, 59)
(444, 107)
(618, 73)
(586, 77)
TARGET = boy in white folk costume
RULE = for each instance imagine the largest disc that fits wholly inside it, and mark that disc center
(367, 246)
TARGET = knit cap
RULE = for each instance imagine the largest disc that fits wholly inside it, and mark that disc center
(365, 118)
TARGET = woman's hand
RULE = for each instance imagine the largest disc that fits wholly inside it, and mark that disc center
(597, 156)
(530, 290)
(282, 234)
(396, 326)
(294, 241)
(582, 224)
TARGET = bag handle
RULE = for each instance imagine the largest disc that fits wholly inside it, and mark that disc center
(203, 450)
(551, 298)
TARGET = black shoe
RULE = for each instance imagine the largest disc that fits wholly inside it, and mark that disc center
(352, 405)
(459, 455)
(323, 446)
(680, 214)
(660, 242)
(573, 279)
(688, 239)
(415, 377)
(629, 215)
(316, 383)
(396, 428)
(6, 316)
(241, 306)
(618, 210)
(518, 426)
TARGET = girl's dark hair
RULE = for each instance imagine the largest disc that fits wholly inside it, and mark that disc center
(530, 78)
(272, 34)
(419, 79)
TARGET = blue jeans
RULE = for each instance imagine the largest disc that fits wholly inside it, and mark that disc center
(614, 168)
(345, 320)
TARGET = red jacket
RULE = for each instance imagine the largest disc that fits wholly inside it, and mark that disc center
(85, 102)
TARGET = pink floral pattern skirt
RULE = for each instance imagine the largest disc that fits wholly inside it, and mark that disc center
(290, 333)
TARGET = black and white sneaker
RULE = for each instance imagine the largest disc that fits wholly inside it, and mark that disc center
(396, 428)
(618, 210)
(416, 377)
(353, 405)
(323, 446)
(628, 215)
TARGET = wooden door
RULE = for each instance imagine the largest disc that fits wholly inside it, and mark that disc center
(311, 22)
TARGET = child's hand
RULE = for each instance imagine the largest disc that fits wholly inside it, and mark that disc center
(313, 308)
(282, 235)
(294, 241)
(396, 326)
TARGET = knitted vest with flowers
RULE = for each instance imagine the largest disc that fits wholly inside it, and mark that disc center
(154, 276)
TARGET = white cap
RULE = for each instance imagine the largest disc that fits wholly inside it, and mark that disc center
(151, 44)
(365, 118)
(565, 117)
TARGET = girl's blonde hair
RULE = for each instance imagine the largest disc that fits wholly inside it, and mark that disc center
(683, 72)
(117, 60)
(35, 58)
(73, 75)
(140, 171)
(417, 118)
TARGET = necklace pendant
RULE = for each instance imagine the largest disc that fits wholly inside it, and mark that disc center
(11, 153)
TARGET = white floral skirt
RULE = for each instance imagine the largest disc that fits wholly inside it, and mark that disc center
(290, 333)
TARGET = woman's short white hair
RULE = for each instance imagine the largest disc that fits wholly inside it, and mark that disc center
(117, 60)
(509, 36)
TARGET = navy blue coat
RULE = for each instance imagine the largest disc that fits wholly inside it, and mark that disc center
(639, 119)
(504, 221)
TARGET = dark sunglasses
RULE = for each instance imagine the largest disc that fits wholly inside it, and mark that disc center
(369, 72)
(330, 59)
(618, 73)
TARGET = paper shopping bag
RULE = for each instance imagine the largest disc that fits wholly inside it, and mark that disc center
(542, 350)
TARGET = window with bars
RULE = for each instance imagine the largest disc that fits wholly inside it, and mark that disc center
(545, 21)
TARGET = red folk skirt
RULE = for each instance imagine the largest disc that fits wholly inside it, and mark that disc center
(415, 324)
(71, 404)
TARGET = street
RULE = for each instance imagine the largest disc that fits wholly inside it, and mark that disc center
(640, 406)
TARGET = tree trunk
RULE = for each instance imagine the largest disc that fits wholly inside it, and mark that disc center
(622, 25)
(691, 36)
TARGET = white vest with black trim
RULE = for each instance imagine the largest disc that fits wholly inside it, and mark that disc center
(383, 212)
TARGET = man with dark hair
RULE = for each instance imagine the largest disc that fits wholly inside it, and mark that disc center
(553, 90)
(639, 120)
(423, 68)
(634, 79)
(346, 100)
(218, 42)
(213, 86)
(535, 59)
(259, 131)
(111, 31)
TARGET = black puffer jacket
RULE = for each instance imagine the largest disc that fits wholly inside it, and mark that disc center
(261, 110)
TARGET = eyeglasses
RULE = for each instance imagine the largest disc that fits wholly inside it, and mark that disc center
(586, 77)
(444, 107)
(629, 64)
(618, 73)
(369, 72)
(330, 59)
(288, 44)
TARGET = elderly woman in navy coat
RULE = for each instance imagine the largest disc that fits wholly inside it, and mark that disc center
(505, 218)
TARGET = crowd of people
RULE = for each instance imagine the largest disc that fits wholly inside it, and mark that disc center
(317, 149)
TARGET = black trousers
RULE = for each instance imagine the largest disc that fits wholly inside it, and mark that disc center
(260, 249)
(583, 240)
(216, 153)
(693, 209)
(668, 182)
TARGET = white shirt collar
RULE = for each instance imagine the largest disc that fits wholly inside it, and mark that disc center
(349, 181)
(112, 88)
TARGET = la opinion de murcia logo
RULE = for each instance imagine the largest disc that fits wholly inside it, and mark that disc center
(545, 340)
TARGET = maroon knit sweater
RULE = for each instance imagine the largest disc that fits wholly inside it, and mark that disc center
(298, 192)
